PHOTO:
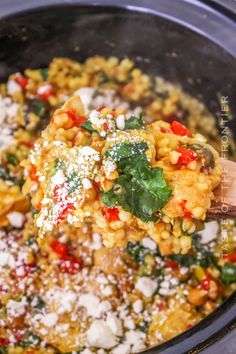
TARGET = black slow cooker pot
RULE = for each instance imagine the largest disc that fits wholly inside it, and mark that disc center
(202, 36)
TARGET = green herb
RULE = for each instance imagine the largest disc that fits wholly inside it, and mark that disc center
(5, 173)
(74, 182)
(228, 273)
(44, 73)
(11, 159)
(33, 211)
(31, 240)
(136, 251)
(205, 257)
(3, 349)
(32, 339)
(58, 164)
(142, 189)
(40, 303)
(121, 151)
(135, 122)
(183, 259)
(144, 327)
(39, 107)
(88, 126)
(104, 78)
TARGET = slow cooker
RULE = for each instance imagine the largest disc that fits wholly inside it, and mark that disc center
(202, 36)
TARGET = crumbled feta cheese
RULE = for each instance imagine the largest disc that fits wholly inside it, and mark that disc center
(86, 183)
(99, 335)
(86, 96)
(58, 143)
(50, 319)
(129, 323)
(131, 337)
(139, 346)
(44, 89)
(115, 324)
(165, 284)
(85, 351)
(107, 290)
(12, 87)
(167, 291)
(138, 306)
(121, 349)
(210, 231)
(88, 151)
(16, 219)
(16, 308)
(58, 178)
(91, 303)
(146, 285)
(149, 243)
(120, 122)
(94, 117)
(183, 270)
(97, 241)
(104, 306)
(6, 259)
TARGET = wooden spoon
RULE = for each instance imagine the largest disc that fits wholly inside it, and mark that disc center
(224, 204)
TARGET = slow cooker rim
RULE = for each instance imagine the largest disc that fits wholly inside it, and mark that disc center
(208, 18)
(222, 319)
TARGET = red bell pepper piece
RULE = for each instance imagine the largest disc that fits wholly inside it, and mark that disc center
(65, 210)
(44, 92)
(60, 249)
(180, 129)
(4, 341)
(230, 257)
(111, 214)
(106, 127)
(21, 80)
(205, 283)
(171, 264)
(187, 213)
(77, 120)
(33, 174)
(187, 155)
(57, 195)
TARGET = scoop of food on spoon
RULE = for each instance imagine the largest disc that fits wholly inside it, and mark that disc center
(126, 178)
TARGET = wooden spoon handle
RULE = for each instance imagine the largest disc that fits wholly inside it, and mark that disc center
(224, 204)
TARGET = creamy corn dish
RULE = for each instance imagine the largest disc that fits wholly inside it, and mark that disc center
(126, 178)
(106, 175)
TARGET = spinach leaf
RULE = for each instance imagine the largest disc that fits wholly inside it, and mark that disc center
(136, 251)
(39, 107)
(5, 173)
(204, 256)
(185, 260)
(228, 273)
(30, 241)
(44, 73)
(32, 339)
(135, 122)
(121, 151)
(144, 327)
(38, 302)
(88, 126)
(11, 159)
(142, 189)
